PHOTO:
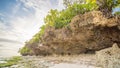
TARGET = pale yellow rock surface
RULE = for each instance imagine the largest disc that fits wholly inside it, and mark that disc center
(109, 57)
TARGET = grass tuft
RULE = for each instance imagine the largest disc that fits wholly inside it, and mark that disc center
(12, 61)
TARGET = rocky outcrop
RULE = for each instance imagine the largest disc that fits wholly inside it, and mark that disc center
(86, 33)
(109, 57)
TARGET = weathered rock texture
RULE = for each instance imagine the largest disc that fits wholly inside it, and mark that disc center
(109, 57)
(89, 32)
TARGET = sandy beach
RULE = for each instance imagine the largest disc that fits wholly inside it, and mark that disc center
(74, 61)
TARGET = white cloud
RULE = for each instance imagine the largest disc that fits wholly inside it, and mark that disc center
(16, 8)
(60, 5)
(1, 14)
(26, 27)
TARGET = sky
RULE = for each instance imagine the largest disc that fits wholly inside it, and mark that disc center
(21, 19)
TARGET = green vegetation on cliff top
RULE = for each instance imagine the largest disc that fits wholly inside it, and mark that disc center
(60, 19)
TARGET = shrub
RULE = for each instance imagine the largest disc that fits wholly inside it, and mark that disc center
(25, 51)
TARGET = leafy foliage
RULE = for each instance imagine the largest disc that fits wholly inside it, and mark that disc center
(109, 4)
(62, 18)
(90, 1)
(117, 13)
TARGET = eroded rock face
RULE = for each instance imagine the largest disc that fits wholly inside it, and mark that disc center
(109, 57)
(87, 32)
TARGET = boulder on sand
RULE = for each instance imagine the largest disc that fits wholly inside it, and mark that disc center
(109, 57)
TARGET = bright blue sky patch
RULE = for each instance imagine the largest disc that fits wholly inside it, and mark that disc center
(117, 9)
(7, 5)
